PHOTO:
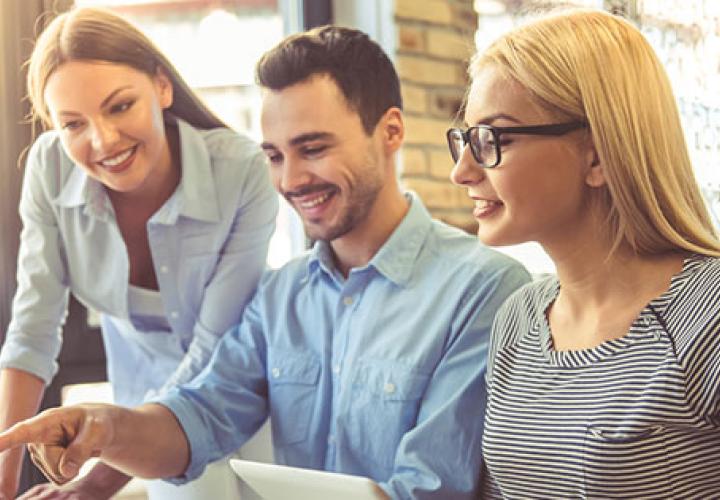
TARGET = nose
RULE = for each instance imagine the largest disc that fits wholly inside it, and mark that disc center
(466, 171)
(104, 135)
(293, 175)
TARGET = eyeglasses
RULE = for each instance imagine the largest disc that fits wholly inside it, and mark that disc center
(484, 140)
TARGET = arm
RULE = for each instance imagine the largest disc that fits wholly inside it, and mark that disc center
(227, 403)
(25, 391)
(238, 270)
(146, 441)
(441, 456)
(32, 344)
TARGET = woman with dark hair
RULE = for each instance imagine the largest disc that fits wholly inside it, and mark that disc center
(144, 206)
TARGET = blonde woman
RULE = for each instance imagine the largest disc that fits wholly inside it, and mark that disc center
(603, 381)
(145, 207)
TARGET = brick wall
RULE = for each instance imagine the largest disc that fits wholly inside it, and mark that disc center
(435, 39)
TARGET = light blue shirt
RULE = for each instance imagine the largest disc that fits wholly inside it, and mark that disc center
(380, 374)
(208, 242)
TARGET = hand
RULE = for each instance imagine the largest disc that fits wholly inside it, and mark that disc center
(60, 440)
(71, 491)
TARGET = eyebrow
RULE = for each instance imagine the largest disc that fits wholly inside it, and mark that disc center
(105, 101)
(113, 94)
(301, 139)
(488, 120)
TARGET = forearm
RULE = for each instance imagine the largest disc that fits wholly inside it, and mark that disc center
(147, 442)
(20, 396)
(103, 481)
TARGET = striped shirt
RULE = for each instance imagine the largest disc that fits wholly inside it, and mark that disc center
(635, 417)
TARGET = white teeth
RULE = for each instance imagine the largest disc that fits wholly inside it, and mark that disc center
(315, 201)
(485, 203)
(117, 160)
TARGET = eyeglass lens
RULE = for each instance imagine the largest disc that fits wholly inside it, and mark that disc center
(482, 144)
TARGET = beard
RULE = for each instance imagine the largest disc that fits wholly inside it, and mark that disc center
(356, 203)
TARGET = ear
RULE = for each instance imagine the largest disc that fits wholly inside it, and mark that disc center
(164, 88)
(392, 130)
(595, 175)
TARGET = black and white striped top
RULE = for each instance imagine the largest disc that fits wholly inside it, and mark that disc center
(635, 417)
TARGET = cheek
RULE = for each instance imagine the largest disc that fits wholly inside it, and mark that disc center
(539, 176)
(275, 177)
(76, 148)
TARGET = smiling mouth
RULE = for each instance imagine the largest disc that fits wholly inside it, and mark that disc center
(314, 202)
(485, 208)
(486, 204)
(118, 159)
(312, 198)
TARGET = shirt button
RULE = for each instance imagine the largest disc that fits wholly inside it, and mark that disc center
(164, 269)
(348, 301)
(331, 439)
(336, 369)
(174, 315)
(276, 372)
(389, 388)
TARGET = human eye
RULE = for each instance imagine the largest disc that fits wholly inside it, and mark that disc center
(503, 137)
(313, 150)
(71, 125)
(273, 158)
(122, 106)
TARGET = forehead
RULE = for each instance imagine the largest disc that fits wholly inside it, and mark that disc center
(312, 105)
(493, 93)
(85, 80)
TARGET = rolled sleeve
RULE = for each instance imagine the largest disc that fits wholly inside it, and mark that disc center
(39, 307)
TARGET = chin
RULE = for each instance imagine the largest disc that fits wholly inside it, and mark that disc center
(497, 238)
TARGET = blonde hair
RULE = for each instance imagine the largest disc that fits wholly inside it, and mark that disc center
(90, 34)
(598, 68)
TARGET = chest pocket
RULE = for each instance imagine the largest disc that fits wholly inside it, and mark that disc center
(383, 406)
(626, 462)
(293, 392)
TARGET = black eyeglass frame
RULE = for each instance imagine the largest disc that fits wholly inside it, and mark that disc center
(555, 129)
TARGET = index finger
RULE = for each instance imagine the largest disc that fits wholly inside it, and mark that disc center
(37, 429)
(17, 435)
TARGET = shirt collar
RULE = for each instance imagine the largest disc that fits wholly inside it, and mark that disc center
(195, 197)
(81, 190)
(78, 189)
(396, 258)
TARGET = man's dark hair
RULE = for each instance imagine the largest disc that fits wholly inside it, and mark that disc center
(358, 65)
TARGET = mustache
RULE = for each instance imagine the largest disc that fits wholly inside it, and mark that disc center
(306, 190)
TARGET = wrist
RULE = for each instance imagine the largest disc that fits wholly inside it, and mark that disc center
(101, 482)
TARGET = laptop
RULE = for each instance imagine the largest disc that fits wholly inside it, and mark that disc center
(280, 482)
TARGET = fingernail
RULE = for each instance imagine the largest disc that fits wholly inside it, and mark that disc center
(70, 469)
